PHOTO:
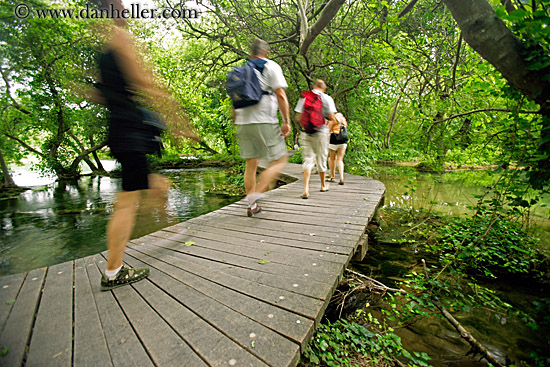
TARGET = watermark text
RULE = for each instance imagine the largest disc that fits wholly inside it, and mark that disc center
(135, 11)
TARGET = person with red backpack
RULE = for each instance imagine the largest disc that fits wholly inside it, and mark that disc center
(312, 110)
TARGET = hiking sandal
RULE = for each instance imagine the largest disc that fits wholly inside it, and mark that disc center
(124, 276)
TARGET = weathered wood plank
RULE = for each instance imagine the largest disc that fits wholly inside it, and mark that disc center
(306, 242)
(90, 347)
(52, 335)
(162, 343)
(292, 301)
(289, 231)
(288, 324)
(310, 287)
(255, 250)
(248, 240)
(211, 344)
(124, 346)
(282, 218)
(235, 325)
(9, 288)
(311, 268)
(18, 326)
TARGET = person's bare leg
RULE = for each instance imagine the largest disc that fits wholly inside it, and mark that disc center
(120, 227)
(271, 174)
(324, 185)
(307, 176)
(250, 175)
(331, 160)
(340, 161)
(156, 198)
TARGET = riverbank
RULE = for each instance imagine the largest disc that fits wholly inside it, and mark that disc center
(376, 327)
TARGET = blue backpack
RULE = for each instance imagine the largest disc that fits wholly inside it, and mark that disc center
(243, 85)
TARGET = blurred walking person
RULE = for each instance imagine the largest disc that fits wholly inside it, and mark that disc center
(258, 131)
(313, 110)
(125, 84)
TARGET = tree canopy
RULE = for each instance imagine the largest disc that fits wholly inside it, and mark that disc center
(452, 82)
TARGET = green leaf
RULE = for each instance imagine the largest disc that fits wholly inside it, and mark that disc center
(189, 243)
(262, 261)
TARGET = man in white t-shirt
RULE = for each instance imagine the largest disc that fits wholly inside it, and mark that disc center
(315, 146)
(258, 130)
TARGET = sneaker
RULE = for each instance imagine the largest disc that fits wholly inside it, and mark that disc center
(123, 277)
(252, 212)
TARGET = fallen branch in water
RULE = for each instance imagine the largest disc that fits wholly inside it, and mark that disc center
(476, 346)
(377, 284)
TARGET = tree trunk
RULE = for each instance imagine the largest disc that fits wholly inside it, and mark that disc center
(8, 182)
(489, 36)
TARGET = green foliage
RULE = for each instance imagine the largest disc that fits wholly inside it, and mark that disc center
(487, 245)
(338, 344)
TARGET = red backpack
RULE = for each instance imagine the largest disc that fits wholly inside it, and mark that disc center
(312, 114)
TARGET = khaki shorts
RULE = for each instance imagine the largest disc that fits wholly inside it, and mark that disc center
(261, 141)
(314, 148)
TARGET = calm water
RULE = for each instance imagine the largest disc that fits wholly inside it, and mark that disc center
(64, 221)
(451, 192)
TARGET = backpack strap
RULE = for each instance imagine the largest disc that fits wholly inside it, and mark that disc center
(259, 64)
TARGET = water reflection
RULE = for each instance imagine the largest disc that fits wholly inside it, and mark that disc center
(67, 220)
(452, 192)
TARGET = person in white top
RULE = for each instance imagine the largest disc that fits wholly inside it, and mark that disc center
(315, 146)
(258, 131)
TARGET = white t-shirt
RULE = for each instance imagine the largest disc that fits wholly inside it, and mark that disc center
(328, 103)
(328, 106)
(264, 112)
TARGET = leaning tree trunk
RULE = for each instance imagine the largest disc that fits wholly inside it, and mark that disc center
(489, 36)
(7, 182)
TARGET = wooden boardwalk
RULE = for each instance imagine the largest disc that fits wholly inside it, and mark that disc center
(224, 289)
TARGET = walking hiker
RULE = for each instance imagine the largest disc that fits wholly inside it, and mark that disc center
(258, 131)
(337, 146)
(124, 82)
(312, 110)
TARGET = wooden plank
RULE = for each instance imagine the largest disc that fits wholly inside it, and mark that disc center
(305, 242)
(292, 301)
(288, 231)
(9, 288)
(52, 335)
(269, 346)
(211, 344)
(125, 348)
(311, 268)
(282, 218)
(90, 347)
(162, 343)
(310, 287)
(254, 241)
(253, 250)
(286, 323)
(18, 326)
(291, 210)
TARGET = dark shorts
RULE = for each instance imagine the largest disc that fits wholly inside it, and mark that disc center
(134, 171)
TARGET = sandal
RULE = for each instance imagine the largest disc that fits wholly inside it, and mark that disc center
(331, 179)
(124, 276)
(252, 212)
